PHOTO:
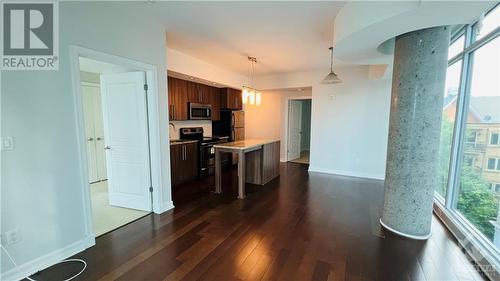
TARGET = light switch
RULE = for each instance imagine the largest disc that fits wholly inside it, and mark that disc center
(7, 143)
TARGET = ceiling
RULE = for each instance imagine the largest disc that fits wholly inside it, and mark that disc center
(284, 36)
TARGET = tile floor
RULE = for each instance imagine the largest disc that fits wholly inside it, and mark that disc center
(107, 217)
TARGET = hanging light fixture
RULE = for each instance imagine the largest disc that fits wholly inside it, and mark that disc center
(332, 77)
(250, 94)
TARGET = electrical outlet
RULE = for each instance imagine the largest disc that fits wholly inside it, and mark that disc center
(12, 237)
(7, 143)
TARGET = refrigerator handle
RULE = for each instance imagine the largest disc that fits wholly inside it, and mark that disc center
(233, 120)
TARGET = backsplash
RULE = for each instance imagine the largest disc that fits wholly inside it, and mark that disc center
(205, 124)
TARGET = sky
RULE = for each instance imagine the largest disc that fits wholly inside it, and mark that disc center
(486, 62)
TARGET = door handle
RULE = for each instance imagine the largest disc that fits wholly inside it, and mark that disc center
(90, 139)
(100, 139)
(107, 147)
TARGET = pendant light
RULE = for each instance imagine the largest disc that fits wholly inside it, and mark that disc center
(250, 94)
(332, 77)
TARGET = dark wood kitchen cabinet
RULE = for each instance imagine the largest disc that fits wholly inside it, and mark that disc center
(198, 93)
(182, 92)
(231, 99)
(183, 162)
(214, 100)
(177, 99)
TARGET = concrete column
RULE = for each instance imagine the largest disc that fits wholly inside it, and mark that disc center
(418, 81)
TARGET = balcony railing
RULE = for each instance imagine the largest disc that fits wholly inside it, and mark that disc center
(475, 146)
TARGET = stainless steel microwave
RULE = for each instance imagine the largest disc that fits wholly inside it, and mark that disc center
(199, 111)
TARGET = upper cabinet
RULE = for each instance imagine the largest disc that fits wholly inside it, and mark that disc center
(214, 99)
(198, 93)
(231, 99)
(177, 99)
(182, 92)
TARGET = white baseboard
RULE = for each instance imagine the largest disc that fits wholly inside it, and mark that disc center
(283, 160)
(347, 173)
(40, 263)
(163, 208)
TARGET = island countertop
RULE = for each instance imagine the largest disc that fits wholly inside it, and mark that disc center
(244, 144)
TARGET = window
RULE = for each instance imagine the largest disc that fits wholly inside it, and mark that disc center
(476, 202)
(495, 187)
(495, 139)
(447, 124)
(456, 47)
(490, 22)
(492, 163)
(469, 153)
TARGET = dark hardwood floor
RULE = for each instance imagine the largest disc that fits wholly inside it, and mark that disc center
(302, 226)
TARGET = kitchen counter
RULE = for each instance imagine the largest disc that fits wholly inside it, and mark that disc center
(258, 162)
(176, 142)
(247, 144)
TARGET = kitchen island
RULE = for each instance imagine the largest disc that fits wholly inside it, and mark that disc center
(258, 162)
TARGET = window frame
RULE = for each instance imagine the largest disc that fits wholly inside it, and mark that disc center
(479, 247)
(491, 138)
(496, 166)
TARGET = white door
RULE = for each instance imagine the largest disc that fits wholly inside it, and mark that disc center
(294, 129)
(126, 139)
(88, 117)
(99, 137)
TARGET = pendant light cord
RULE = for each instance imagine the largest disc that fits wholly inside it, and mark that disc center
(331, 59)
(251, 75)
(253, 72)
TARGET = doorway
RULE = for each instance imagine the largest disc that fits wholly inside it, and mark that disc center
(115, 116)
(299, 130)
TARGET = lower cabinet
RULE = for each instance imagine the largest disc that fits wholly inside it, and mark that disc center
(183, 162)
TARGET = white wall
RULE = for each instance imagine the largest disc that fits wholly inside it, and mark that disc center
(41, 180)
(267, 121)
(349, 132)
(349, 122)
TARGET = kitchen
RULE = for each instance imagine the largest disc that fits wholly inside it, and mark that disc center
(205, 117)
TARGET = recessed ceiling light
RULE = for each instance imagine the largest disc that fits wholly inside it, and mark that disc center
(191, 77)
(214, 83)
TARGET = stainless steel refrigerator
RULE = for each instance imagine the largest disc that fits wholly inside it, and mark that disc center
(231, 124)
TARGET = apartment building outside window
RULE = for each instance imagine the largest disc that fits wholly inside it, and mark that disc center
(495, 139)
(469, 185)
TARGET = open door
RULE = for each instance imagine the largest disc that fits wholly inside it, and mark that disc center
(294, 129)
(126, 139)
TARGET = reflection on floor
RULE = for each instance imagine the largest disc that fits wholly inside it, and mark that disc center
(301, 226)
(106, 217)
(303, 159)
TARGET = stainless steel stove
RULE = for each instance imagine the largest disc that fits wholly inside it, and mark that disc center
(206, 155)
